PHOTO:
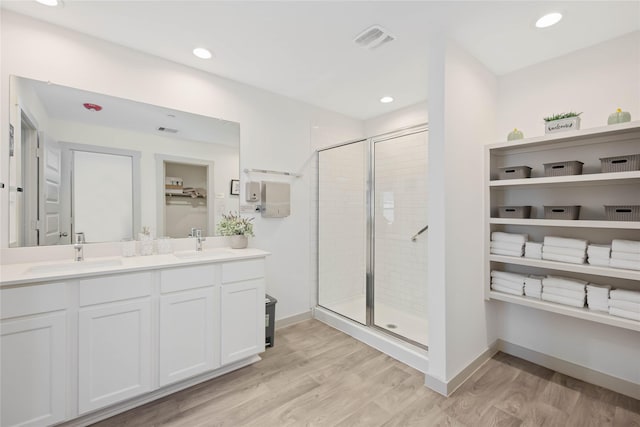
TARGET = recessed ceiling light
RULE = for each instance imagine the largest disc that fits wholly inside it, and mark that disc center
(548, 20)
(48, 2)
(202, 53)
(386, 99)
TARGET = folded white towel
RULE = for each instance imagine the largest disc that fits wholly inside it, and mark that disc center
(625, 295)
(558, 250)
(624, 313)
(532, 293)
(599, 251)
(563, 292)
(533, 279)
(625, 305)
(505, 275)
(509, 237)
(623, 263)
(534, 255)
(506, 252)
(627, 256)
(533, 250)
(597, 307)
(565, 242)
(563, 258)
(533, 246)
(563, 300)
(565, 283)
(507, 283)
(506, 290)
(598, 290)
(625, 246)
(600, 262)
(508, 246)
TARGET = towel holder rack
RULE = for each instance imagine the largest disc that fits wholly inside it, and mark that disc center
(295, 175)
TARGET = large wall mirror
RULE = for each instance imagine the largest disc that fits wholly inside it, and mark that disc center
(109, 167)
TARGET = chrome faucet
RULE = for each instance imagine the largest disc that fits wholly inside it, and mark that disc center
(78, 246)
(199, 239)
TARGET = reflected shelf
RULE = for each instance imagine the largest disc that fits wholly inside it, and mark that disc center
(581, 223)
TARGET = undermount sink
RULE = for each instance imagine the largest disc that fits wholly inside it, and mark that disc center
(74, 266)
(210, 253)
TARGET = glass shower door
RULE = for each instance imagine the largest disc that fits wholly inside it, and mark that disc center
(400, 236)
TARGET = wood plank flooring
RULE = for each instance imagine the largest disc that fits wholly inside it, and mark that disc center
(318, 376)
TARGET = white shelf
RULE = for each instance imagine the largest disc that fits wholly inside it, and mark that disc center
(572, 268)
(622, 225)
(630, 177)
(580, 313)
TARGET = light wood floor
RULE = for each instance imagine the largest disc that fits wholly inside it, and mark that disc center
(318, 376)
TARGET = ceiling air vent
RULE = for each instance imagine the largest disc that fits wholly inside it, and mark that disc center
(168, 130)
(374, 37)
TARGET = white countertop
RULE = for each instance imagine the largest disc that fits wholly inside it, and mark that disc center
(32, 272)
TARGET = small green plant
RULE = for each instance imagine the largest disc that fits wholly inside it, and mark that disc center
(235, 225)
(561, 116)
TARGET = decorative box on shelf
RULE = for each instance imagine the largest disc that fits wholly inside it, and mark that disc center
(561, 125)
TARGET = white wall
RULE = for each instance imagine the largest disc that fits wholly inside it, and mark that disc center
(596, 80)
(412, 115)
(275, 131)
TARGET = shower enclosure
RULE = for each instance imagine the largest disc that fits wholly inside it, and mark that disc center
(372, 225)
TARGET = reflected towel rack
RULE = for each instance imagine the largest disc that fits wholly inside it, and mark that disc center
(415, 236)
(295, 175)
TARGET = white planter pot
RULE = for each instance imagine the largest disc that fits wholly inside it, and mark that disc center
(238, 242)
(571, 123)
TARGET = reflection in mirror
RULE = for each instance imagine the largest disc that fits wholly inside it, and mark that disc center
(107, 167)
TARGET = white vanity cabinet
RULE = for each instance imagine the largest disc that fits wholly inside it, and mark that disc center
(114, 339)
(189, 322)
(242, 309)
(33, 346)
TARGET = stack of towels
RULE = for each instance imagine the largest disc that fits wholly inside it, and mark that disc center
(599, 255)
(533, 286)
(625, 254)
(598, 297)
(509, 244)
(509, 283)
(564, 290)
(533, 250)
(563, 249)
(624, 303)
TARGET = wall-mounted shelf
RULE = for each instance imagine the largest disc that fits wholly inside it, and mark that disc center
(621, 225)
(632, 177)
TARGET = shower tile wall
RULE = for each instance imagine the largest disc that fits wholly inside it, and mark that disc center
(342, 225)
(401, 211)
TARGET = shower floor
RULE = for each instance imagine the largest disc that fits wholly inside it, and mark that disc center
(386, 317)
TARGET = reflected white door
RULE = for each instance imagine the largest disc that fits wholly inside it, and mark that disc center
(51, 231)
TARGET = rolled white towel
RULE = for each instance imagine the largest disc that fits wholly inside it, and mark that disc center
(597, 307)
(507, 283)
(497, 244)
(534, 255)
(632, 246)
(563, 292)
(623, 263)
(506, 252)
(565, 242)
(624, 313)
(599, 251)
(506, 290)
(514, 277)
(564, 282)
(558, 250)
(627, 256)
(625, 295)
(509, 237)
(532, 293)
(625, 305)
(600, 262)
(533, 246)
(563, 300)
(563, 258)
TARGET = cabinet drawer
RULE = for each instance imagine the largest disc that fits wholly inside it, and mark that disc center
(33, 299)
(242, 270)
(180, 279)
(114, 288)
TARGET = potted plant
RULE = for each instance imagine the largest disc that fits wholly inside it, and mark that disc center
(562, 122)
(238, 228)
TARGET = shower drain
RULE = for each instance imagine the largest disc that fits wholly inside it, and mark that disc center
(391, 326)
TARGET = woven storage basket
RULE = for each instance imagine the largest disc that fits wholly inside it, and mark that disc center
(622, 213)
(514, 211)
(561, 212)
(626, 163)
(572, 167)
(515, 172)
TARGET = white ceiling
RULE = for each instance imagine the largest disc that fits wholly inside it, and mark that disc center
(305, 50)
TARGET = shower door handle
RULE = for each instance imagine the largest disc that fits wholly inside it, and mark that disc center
(415, 236)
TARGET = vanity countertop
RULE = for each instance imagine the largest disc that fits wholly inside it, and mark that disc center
(32, 272)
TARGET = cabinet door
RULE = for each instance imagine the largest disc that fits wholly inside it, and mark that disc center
(114, 350)
(188, 334)
(243, 320)
(33, 370)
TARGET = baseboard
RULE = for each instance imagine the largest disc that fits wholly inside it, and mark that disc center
(296, 318)
(616, 384)
(446, 388)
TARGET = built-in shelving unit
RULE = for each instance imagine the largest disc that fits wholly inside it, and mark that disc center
(591, 190)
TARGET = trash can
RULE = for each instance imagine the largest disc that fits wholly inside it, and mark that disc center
(270, 320)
